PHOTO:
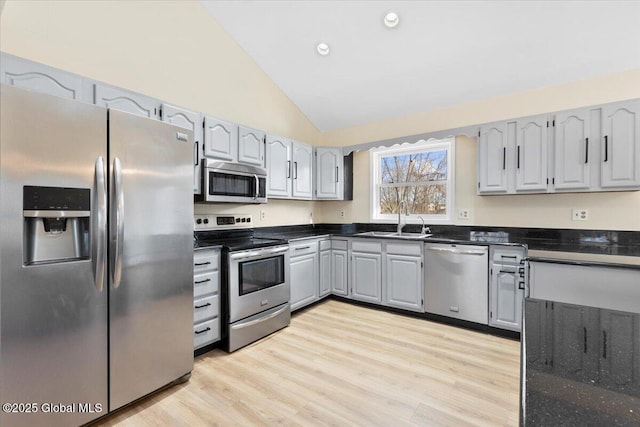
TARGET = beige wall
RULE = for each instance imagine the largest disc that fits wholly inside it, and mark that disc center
(615, 211)
(175, 51)
(172, 50)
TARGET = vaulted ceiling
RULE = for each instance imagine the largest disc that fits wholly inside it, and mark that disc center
(440, 54)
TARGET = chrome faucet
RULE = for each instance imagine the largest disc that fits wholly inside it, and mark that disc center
(406, 207)
(425, 230)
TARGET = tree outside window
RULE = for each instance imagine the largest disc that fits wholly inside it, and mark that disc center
(418, 174)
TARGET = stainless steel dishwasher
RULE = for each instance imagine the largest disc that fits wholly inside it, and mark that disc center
(457, 281)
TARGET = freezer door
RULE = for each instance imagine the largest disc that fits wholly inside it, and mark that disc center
(151, 250)
(53, 313)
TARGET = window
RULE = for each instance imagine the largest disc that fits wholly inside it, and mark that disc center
(420, 175)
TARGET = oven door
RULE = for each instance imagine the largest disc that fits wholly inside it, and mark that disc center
(235, 187)
(258, 281)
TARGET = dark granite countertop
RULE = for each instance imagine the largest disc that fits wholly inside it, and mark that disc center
(580, 366)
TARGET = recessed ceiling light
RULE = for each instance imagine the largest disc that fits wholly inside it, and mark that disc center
(323, 49)
(391, 20)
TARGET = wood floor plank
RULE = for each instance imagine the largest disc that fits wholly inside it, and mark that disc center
(340, 364)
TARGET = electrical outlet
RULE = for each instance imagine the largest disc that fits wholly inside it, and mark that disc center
(464, 214)
(262, 215)
(342, 214)
(580, 214)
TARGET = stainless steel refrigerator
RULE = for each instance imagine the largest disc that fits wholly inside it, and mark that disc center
(96, 258)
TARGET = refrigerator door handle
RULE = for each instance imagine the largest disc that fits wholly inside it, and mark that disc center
(119, 221)
(100, 261)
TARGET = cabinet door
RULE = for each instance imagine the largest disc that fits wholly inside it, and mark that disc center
(193, 121)
(404, 285)
(251, 146)
(220, 139)
(619, 351)
(492, 159)
(325, 273)
(571, 345)
(278, 167)
(621, 145)
(329, 182)
(367, 277)
(36, 77)
(339, 272)
(302, 171)
(571, 152)
(531, 154)
(127, 101)
(304, 280)
(506, 298)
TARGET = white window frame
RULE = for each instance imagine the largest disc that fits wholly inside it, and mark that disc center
(419, 146)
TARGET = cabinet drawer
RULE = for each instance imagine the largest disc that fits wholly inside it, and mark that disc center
(366, 246)
(206, 260)
(206, 333)
(304, 248)
(325, 245)
(404, 248)
(507, 255)
(206, 283)
(339, 244)
(206, 308)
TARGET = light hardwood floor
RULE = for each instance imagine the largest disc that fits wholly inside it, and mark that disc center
(344, 365)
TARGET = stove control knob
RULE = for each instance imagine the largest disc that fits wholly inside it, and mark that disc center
(206, 221)
(198, 221)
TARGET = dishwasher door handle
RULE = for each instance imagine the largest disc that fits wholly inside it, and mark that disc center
(457, 251)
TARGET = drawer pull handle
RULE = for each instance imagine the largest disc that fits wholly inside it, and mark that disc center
(200, 264)
(509, 256)
(203, 305)
(203, 331)
(198, 282)
(304, 247)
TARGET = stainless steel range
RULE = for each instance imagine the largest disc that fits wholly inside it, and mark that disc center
(256, 287)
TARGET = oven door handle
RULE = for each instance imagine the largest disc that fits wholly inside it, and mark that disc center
(260, 253)
(260, 320)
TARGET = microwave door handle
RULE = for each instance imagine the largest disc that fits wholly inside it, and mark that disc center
(255, 196)
(119, 220)
(100, 261)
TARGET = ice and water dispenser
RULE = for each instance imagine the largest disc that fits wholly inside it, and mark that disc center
(56, 224)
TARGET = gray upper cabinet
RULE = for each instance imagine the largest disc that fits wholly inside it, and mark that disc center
(571, 150)
(492, 159)
(251, 146)
(531, 154)
(278, 153)
(329, 174)
(289, 168)
(621, 145)
(193, 121)
(36, 77)
(127, 101)
(302, 155)
(220, 139)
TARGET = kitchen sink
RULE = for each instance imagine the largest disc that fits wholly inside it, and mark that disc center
(408, 236)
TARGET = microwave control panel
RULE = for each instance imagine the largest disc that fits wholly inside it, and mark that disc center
(207, 222)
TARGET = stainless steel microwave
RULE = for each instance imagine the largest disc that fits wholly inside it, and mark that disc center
(233, 182)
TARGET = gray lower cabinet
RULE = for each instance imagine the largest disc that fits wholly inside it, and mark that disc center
(339, 267)
(304, 273)
(506, 287)
(206, 297)
(366, 280)
(403, 279)
(325, 268)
